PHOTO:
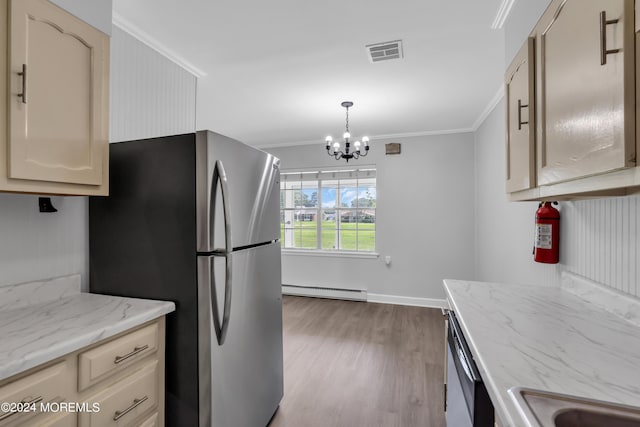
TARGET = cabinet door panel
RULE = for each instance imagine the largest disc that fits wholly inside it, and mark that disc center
(520, 136)
(585, 103)
(58, 130)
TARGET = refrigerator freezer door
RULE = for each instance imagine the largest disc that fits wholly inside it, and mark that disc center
(241, 381)
(251, 198)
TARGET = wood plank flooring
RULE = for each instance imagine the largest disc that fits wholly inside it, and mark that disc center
(361, 364)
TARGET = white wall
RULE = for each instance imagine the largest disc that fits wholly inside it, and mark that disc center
(150, 96)
(424, 219)
(504, 230)
(95, 12)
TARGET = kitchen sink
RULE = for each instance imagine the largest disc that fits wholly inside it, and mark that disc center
(546, 409)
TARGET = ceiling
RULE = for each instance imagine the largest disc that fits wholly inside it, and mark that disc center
(275, 72)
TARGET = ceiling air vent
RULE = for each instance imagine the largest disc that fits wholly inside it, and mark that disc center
(385, 51)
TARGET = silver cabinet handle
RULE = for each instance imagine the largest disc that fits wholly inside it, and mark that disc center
(520, 107)
(134, 405)
(603, 37)
(23, 401)
(135, 351)
(464, 363)
(23, 95)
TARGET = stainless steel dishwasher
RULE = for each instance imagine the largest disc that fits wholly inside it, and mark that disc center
(468, 403)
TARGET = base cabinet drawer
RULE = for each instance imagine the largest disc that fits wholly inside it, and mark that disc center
(125, 402)
(102, 361)
(46, 385)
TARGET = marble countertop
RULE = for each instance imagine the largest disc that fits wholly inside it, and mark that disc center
(42, 321)
(573, 339)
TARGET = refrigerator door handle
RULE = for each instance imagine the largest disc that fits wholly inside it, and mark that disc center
(220, 326)
(219, 175)
(227, 301)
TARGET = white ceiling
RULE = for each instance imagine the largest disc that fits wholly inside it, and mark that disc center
(276, 71)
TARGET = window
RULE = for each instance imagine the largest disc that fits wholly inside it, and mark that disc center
(328, 210)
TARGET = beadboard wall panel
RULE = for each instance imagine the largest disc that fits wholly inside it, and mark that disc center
(599, 240)
(150, 95)
(36, 245)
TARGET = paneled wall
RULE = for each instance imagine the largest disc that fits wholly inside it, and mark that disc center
(36, 245)
(150, 96)
(600, 241)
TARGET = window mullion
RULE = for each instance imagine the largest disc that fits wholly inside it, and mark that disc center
(319, 216)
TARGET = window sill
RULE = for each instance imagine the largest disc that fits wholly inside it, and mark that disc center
(336, 254)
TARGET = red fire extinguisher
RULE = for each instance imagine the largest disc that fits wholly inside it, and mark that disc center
(547, 234)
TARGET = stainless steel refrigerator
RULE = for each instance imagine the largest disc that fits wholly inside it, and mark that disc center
(194, 219)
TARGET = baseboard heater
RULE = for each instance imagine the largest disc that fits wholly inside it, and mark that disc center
(323, 292)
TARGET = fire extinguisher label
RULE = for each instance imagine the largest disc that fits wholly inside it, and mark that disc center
(543, 236)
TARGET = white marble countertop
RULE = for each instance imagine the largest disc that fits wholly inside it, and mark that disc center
(42, 321)
(561, 339)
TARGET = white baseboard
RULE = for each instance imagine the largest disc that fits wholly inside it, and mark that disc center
(322, 292)
(414, 301)
(360, 295)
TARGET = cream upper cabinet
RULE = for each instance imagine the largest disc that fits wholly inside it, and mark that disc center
(520, 131)
(586, 89)
(58, 102)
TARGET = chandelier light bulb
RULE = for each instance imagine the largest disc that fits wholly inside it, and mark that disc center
(357, 145)
(328, 139)
(346, 135)
(365, 139)
(336, 146)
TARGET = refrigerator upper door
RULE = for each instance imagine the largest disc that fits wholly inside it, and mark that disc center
(241, 380)
(237, 194)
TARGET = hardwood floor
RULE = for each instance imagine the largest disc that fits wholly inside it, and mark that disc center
(361, 364)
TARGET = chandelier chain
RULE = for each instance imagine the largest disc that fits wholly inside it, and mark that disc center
(347, 119)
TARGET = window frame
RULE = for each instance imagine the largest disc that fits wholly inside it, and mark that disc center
(318, 176)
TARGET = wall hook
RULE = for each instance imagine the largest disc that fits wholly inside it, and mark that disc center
(45, 205)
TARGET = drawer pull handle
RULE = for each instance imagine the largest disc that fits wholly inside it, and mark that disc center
(135, 351)
(24, 401)
(603, 37)
(135, 404)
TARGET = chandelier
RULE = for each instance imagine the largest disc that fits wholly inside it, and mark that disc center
(333, 148)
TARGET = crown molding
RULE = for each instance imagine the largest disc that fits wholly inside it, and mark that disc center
(372, 137)
(476, 125)
(488, 109)
(502, 14)
(154, 44)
